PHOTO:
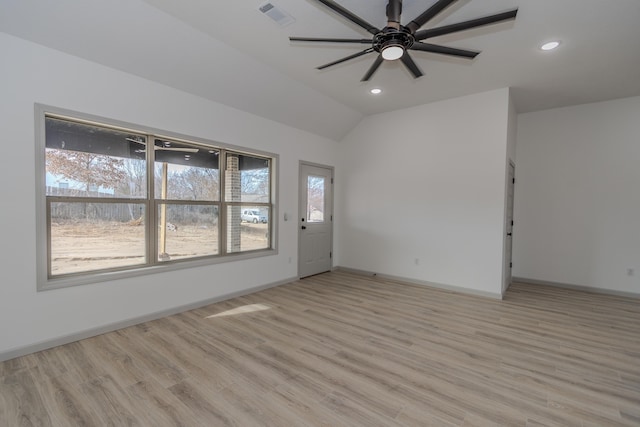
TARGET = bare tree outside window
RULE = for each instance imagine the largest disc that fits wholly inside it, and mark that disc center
(89, 169)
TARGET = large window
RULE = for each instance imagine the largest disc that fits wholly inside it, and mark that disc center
(117, 199)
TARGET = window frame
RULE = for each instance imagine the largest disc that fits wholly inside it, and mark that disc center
(152, 265)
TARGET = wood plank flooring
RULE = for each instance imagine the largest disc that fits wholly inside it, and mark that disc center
(345, 350)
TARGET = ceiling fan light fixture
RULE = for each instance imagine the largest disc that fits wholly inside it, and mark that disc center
(392, 52)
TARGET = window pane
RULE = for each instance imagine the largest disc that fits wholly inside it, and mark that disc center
(247, 228)
(315, 198)
(186, 172)
(190, 231)
(96, 236)
(91, 161)
(247, 179)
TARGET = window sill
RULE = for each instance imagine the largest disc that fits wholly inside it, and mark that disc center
(46, 284)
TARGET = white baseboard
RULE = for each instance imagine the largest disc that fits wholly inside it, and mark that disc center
(88, 333)
(452, 288)
(576, 287)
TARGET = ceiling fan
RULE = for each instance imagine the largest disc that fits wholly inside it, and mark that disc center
(395, 40)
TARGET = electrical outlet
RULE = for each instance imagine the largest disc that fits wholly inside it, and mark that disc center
(631, 272)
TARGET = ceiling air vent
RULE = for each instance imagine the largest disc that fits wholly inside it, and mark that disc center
(278, 15)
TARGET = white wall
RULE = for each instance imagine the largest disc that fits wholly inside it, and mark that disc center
(512, 133)
(577, 199)
(427, 183)
(34, 74)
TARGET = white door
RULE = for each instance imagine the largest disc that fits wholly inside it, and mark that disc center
(508, 244)
(315, 220)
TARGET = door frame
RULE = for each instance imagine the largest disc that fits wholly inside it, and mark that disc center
(302, 163)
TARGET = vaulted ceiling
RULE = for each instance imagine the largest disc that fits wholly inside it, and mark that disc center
(230, 52)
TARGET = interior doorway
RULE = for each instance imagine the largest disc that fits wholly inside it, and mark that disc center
(508, 242)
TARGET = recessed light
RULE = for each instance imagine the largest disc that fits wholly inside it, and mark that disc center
(376, 91)
(550, 45)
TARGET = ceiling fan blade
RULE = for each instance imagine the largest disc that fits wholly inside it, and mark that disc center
(374, 67)
(427, 47)
(466, 25)
(355, 55)
(394, 10)
(328, 40)
(350, 16)
(428, 15)
(408, 62)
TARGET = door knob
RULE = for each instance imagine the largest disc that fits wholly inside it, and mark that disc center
(509, 234)
(303, 227)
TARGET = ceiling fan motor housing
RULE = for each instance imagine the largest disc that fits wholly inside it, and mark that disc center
(390, 36)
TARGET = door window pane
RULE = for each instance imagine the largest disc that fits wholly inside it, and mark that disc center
(96, 236)
(189, 231)
(315, 198)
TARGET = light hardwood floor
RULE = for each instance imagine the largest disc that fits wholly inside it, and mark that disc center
(346, 350)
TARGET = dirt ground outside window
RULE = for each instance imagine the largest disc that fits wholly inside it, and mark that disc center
(88, 246)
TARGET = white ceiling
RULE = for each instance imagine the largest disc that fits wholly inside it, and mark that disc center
(229, 52)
